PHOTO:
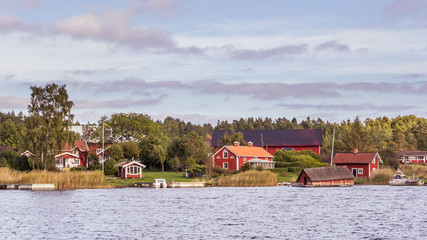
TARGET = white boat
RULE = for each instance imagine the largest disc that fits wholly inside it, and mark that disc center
(160, 183)
(400, 180)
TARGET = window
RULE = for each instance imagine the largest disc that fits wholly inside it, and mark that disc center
(360, 171)
(77, 161)
(266, 159)
(244, 158)
(225, 154)
(218, 157)
(232, 157)
(225, 165)
(420, 157)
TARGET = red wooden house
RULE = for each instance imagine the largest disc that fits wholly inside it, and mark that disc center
(326, 177)
(277, 139)
(70, 157)
(100, 153)
(360, 164)
(233, 157)
(407, 157)
(130, 169)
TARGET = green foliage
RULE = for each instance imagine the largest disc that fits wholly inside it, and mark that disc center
(78, 169)
(245, 167)
(174, 127)
(190, 162)
(259, 168)
(109, 168)
(229, 139)
(196, 170)
(93, 159)
(14, 160)
(297, 160)
(11, 134)
(152, 152)
(130, 150)
(115, 151)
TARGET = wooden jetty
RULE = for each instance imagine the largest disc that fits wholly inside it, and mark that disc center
(48, 186)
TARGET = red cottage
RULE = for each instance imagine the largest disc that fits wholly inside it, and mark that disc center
(129, 169)
(326, 177)
(360, 164)
(70, 157)
(407, 157)
(233, 157)
(274, 140)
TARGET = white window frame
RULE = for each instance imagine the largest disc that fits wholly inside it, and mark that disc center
(77, 161)
(225, 165)
(360, 171)
(225, 153)
(244, 159)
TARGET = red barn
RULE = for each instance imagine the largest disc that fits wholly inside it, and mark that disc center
(277, 139)
(326, 177)
(233, 157)
(407, 157)
(70, 157)
(360, 164)
(129, 169)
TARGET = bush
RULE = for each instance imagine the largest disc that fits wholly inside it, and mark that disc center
(245, 167)
(259, 168)
(294, 169)
(109, 168)
(196, 170)
(77, 169)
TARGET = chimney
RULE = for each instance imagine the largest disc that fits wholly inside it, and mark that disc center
(250, 144)
(236, 143)
(355, 150)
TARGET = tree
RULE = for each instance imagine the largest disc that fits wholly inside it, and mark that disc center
(130, 150)
(11, 134)
(115, 151)
(229, 139)
(49, 121)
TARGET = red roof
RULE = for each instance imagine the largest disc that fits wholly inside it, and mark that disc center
(245, 151)
(81, 144)
(354, 157)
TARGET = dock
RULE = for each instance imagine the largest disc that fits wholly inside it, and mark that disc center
(48, 186)
(171, 185)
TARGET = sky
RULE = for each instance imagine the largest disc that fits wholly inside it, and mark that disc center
(204, 61)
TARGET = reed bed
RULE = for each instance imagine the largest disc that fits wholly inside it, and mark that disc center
(419, 171)
(61, 180)
(381, 176)
(252, 178)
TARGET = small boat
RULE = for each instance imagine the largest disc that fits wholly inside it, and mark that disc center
(160, 183)
(400, 180)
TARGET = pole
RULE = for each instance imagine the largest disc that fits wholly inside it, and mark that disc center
(333, 141)
(103, 150)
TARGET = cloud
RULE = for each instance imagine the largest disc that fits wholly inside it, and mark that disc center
(157, 8)
(12, 102)
(405, 7)
(30, 5)
(9, 77)
(332, 46)
(412, 75)
(250, 54)
(20, 5)
(116, 103)
(350, 107)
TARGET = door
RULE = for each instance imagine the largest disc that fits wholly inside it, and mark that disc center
(354, 171)
(305, 180)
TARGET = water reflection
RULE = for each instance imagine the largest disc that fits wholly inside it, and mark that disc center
(360, 212)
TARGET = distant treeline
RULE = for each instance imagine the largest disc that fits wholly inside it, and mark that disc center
(178, 143)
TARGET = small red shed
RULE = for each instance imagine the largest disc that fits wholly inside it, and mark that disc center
(130, 169)
(360, 164)
(326, 177)
(233, 157)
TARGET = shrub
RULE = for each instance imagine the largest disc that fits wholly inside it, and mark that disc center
(196, 170)
(109, 168)
(245, 167)
(77, 169)
(259, 168)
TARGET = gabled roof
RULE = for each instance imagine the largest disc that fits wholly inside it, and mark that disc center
(66, 155)
(355, 157)
(127, 163)
(82, 145)
(244, 151)
(327, 173)
(412, 153)
(276, 137)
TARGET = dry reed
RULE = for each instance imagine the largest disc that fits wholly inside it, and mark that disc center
(381, 176)
(251, 178)
(419, 171)
(61, 180)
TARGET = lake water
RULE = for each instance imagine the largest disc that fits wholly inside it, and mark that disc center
(359, 212)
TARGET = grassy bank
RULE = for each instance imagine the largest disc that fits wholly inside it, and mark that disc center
(61, 180)
(251, 178)
(149, 177)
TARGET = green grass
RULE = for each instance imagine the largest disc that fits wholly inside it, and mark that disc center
(290, 177)
(149, 177)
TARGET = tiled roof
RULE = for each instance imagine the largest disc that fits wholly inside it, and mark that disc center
(245, 151)
(81, 144)
(353, 157)
(328, 173)
(411, 153)
(277, 137)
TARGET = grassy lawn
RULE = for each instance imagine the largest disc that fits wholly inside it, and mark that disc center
(290, 177)
(149, 177)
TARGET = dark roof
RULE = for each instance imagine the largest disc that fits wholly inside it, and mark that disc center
(276, 137)
(411, 153)
(327, 173)
(354, 157)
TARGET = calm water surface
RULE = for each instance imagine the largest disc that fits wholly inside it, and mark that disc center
(360, 212)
